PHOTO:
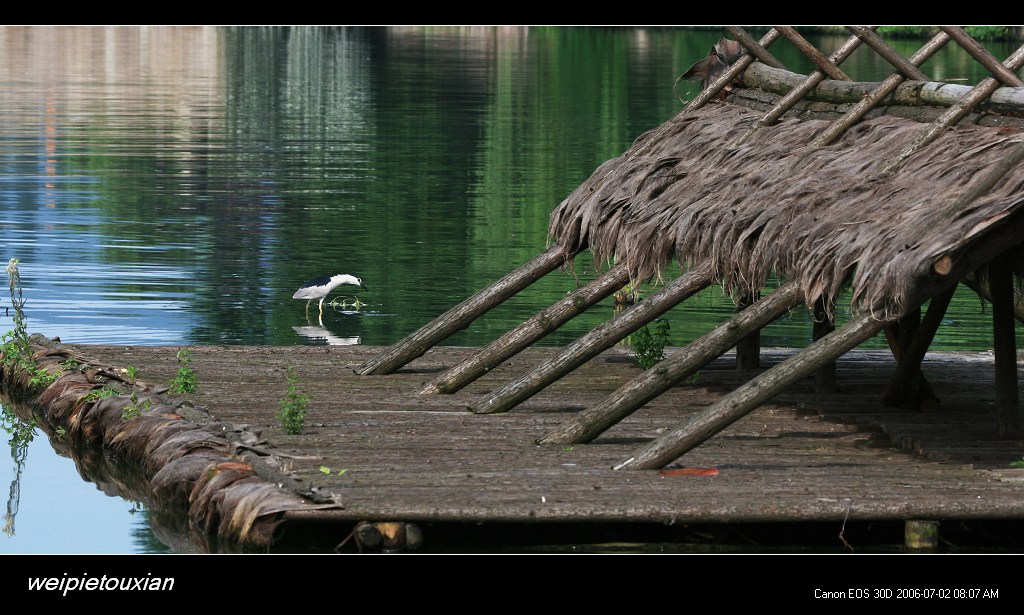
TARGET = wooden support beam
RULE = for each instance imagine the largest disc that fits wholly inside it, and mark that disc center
(824, 64)
(954, 114)
(920, 536)
(748, 349)
(908, 387)
(757, 49)
(460, 316)
(909, 70)
(734, 406)
(594, 421)
(978, 52)
(1004, 345)
(590, 345)
(530, 331)
(797, 93)
(824, 323)
(880, 92)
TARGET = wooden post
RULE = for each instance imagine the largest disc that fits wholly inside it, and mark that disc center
(1004, 346)
(920, 536)
(748, 350)
(908, 387)
(593, 343)
(460, 316)
(594, 421)
(743, 400)
(530, 331)
(980, 286)
(824, 323)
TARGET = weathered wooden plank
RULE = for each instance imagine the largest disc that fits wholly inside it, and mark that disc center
(746, 398)
(591, 344)
(530, 331)
(594, 421)
(460, 316)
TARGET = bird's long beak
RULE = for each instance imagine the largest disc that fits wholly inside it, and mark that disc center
(363, 286)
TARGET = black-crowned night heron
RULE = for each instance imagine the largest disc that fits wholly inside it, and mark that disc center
(319, 288)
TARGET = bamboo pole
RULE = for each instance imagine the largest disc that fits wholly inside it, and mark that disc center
(1004, 346)
(797, 93)
(955, 113)
(530, 331)
(593, 343)
(749, 396)
(460, 316)
(594, 421)
(883, 89)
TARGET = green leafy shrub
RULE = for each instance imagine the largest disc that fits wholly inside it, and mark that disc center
(648, 345)
(291, 412)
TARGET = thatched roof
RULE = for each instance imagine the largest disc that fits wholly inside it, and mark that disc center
(825, 217)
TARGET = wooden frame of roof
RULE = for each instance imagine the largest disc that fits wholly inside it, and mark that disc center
(901, 211)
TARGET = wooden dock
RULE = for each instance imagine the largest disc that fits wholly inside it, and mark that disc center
(383, 452)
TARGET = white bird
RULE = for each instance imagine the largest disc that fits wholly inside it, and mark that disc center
(319, 288)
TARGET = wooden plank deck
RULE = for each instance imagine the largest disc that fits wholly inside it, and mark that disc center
(425, 459)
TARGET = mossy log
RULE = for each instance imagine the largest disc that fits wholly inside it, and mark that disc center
(187, 462)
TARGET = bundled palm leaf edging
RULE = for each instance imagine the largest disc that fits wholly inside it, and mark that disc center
(823, 216)
(212, 468)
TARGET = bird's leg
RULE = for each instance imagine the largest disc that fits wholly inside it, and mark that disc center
(322, 306)
(307, 308)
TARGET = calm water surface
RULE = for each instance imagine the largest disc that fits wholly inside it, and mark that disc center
(176, 185)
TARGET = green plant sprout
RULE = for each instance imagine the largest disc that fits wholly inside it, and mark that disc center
(328, 471)
(100, 393)
(135, 409)
(185, 381)
(650, 346)
(291, 412)
(15, 349)
(1017, 464)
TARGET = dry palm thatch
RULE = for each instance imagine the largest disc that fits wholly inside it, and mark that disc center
(825, 217)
